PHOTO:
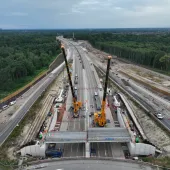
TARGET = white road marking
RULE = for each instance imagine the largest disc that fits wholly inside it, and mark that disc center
(98, 149)
(77, 149)
(105, 149)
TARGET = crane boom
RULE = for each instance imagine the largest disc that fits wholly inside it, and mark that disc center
(76, 104)
(68, 72)
(100, 118)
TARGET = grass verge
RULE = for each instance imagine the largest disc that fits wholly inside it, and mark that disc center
(164, 162)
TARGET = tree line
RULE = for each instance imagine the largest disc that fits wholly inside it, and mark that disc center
(152, 50)
(23, 55)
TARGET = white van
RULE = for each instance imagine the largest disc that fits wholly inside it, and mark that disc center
(59, 100)
(116, 102)
(12, 103)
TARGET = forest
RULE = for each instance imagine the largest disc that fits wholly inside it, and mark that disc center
(151, 50)
(23, 55)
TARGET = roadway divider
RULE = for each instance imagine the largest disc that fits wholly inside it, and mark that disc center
(133, 116)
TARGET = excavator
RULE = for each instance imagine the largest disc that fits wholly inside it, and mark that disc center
(100, 117)
(76, 104)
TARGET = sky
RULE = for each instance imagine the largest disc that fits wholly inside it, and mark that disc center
(59, 14)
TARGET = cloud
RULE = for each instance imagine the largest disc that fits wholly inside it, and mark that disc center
(19, 14)
(89, 2)
(85, 13)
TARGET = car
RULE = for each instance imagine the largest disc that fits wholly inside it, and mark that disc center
(12, 103)
(91, 114)
(95, 94)
(59, 100)
(5, 107)
(159, 115)
(92, 151)
(100, 87)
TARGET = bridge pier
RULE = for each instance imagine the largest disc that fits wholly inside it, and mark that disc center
(87, 147)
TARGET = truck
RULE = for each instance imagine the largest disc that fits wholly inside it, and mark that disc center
(75, 92)
(54, 153)
(97, 102)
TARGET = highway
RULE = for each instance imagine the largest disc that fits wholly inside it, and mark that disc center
(86, 86)
(79, 123)
(7, 128)
(76, 124)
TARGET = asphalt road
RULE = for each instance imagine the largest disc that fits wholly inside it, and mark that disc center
(76, 124)
(93, 165)
(87, 92)
(74, 150)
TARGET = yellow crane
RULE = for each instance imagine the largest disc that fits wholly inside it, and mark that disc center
(76, 104)
(100, 117)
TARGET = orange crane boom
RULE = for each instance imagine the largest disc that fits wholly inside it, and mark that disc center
(76, 104)
(100, 117)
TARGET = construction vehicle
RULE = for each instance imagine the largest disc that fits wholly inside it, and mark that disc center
(76, 104)
(100, 117)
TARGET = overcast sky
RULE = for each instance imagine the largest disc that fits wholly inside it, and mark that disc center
(34, 14)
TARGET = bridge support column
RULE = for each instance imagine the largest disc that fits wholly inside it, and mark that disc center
(87, 149)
